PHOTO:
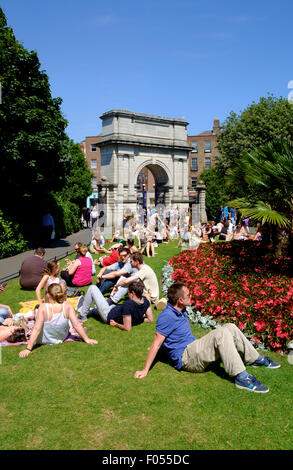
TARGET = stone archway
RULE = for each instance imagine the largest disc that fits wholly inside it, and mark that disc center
(132, 141)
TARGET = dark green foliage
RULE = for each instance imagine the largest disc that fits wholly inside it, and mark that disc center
(66, 215)
(78, 177)
(215, 196)
(260, 123)
(11, 240)
(37, 158)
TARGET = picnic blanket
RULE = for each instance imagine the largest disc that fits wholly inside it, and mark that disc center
(28, 306)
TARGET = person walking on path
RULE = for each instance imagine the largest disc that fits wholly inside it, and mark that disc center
(185, 352)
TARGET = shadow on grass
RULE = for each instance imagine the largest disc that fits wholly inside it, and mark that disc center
(215, 367)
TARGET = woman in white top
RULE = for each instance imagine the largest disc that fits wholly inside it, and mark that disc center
(97, 244)
(53, 321)
(50, 276)
(240, 232)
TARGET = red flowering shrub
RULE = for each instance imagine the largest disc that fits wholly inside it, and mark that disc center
(236, 282)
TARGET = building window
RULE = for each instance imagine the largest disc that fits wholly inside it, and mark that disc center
(94, 182)
(194, 146)
(93, 147)
(194, 164)
(193, 182)
(207, 162)
(93, 164)
(208, 146)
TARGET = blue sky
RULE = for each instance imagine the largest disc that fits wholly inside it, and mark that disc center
(177, 58)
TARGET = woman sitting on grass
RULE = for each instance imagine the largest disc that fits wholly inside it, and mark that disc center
(50, 276)
(53, 321)
(79, 272)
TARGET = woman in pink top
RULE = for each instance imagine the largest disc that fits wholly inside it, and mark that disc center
(79, 272)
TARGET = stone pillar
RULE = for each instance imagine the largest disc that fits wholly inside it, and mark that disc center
(201, 189)
(131, 182)
(184, 179)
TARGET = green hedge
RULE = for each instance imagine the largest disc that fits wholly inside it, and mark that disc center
(66, 215)
(11, 239)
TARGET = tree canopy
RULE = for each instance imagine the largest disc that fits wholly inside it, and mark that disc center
(268, 120)
(37, 158)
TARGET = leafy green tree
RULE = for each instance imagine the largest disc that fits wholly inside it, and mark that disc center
(33, 143)
(67, 204)
(78, 178)
(11, 240)
(215, 198)
(269, 120)
(267, 173)
(41, 169)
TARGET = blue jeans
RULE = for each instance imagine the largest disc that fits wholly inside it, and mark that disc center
(107, 284)
(94, 295)
(4, 313)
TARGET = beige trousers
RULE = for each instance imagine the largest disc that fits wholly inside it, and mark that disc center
(227, 343)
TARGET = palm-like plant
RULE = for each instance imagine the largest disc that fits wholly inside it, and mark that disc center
(266, 175)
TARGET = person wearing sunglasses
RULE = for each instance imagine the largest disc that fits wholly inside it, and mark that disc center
(109, 275)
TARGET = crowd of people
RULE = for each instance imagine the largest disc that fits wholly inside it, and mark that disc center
(123, 291)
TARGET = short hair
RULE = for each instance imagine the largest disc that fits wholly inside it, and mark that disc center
(137, 287)
(56, 292)
(175, 292)
(40, 251)
(123, 249)
(137, 257)
(130, 241)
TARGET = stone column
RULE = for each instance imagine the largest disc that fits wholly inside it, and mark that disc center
(131, 182)
(201, 189)
(184, 179)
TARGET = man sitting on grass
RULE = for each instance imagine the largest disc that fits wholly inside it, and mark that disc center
(144, 273)
(131, 312)
(185, 352)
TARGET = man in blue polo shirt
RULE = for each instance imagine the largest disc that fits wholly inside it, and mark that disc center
(185, 352)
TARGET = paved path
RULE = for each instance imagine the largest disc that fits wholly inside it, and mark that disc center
(9, 267)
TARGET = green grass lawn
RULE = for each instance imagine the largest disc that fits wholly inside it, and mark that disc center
(79, 396)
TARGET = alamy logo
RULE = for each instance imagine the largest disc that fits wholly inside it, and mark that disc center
(290, 94)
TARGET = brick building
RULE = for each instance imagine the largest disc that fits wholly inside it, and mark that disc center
(203, 154)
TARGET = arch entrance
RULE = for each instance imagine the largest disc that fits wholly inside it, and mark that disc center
(142, 149)
(152, 186)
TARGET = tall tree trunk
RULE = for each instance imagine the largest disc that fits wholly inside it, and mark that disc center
(266, 234)
(290, 244)
(277, 238)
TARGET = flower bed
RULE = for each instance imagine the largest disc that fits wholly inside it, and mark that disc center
(237, 282)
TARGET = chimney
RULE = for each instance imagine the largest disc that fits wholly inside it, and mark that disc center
(216, 126)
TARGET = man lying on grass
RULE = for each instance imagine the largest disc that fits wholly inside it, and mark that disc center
(131, 312)
(185, 352)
